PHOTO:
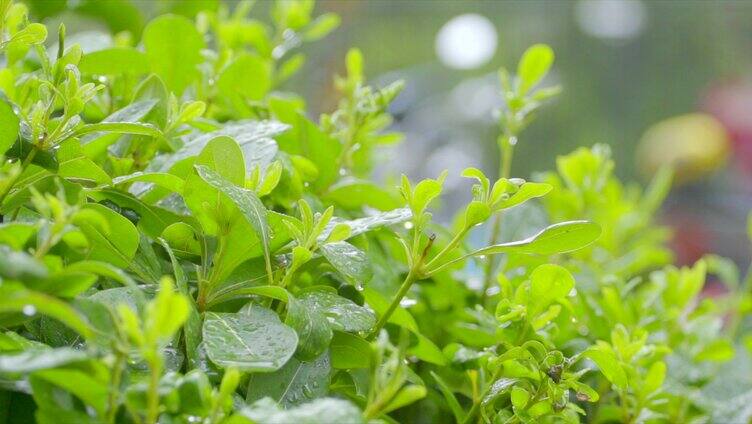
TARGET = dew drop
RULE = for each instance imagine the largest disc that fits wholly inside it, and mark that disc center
(406, 303)
(29, 310)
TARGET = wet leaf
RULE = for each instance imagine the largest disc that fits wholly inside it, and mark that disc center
(254, 340)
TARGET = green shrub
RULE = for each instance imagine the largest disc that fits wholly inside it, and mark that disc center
(180, 242)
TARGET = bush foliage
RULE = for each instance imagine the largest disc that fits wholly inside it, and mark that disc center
(181, 242)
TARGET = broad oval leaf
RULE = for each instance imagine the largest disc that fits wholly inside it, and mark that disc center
(115, 242)
(295, 383)
(253, 340)
(324, 410)
(349, 351)
(350, 261)
(173, 46)
(312, 327)
(113, 61)
(342, 314)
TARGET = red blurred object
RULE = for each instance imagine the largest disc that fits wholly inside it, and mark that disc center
(731, 103)
(692, 239)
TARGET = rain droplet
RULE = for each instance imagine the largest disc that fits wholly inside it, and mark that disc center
(408, 225)
(406, 303)
(29, 310)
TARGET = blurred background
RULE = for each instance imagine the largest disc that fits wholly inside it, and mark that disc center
(659, 81)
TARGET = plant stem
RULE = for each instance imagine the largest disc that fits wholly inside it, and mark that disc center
(15, 178)
(448, 248)
(409, 280)
(476, 404)
(417, 272)
(152, 413)
(506, 146)
(117, 373)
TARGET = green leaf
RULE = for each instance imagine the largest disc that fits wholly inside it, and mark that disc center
(173, 47)
(240, 290)
(64, 283)
(133, 297)
(253, 137)
(29, 302)
(526, 192)
(312, 326)
(183, 240)
(476, 213)
(92, 388)
(350, 261)
(519, 397)
(152, 219)
(295, 383)
(342, 314)
(718, 350)
(307, 139)
(425, 192)
(407, 395)
(321, 26)
(548, 284)
(427, 351)
(604, 356)
(192, 327)
(654, 378)
(115, 61)
(171, 182)
(534, 65)
(349, 351)
(20, 265)
(117, 127)
(9, 127)
(451, 400)
(400, 316)
(558, 238)
(324, 410)
(15, 234)
(353, 194)
(31, 360)
(498, 388)
(247, 78)
(250, 207)
(33, 33)
(253, 341)
(112, 240)
(363, 225)
(166, 313)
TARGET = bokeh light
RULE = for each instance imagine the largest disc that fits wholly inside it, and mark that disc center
(615, 20)
(467, 41)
